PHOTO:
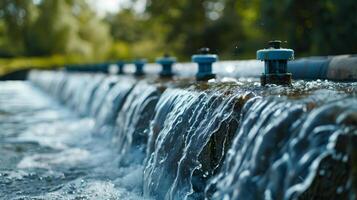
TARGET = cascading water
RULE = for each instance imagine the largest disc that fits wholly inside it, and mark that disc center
(112, 104)
(100, 94)
(87, 94)
(168, 140)
(188, 139)
(133, 121)
(280, 147)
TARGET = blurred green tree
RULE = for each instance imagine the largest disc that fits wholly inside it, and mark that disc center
(185, 21)
(231, 28)
(225, 26)
(126, 26)
(16, 20)
(65, 27)
(312, 27)
(69, 28)
(240, 27)
(136, 36)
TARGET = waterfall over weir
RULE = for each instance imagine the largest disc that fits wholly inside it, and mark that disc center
(190, 145)
(220, 140)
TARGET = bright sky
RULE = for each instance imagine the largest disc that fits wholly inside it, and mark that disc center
(112, 6)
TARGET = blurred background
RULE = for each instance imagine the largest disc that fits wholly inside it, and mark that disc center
(55, 32)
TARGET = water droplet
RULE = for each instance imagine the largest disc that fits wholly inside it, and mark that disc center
(322, 172)
(345, 158)
(339, 190)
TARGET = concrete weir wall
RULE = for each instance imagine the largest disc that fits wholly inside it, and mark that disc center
(226, 138)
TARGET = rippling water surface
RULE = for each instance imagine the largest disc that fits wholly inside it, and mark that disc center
(47, 152)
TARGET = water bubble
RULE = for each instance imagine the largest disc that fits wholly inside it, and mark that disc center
(322, 172)
(340, 190)
(345, 158)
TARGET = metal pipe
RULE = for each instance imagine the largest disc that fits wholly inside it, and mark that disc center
(336, 68)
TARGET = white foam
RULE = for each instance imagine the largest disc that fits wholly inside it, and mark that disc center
(97, 190)
(69, 157)
(58, 135)
(133, 178)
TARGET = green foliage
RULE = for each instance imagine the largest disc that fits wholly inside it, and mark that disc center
(16, 19)
(237, 28)
(313, 27)
(120, 50)
(126, 26)
(185, 21)
(232, 28)
(12, 64)
(52, 27)
(137, 36)
(228, 27)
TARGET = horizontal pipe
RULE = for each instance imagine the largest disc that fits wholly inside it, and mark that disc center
(343, 68)
(309, 68)
(336, 68)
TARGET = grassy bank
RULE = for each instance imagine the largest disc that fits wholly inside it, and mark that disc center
(9, 65)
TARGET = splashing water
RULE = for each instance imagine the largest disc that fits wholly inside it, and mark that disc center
(279, 147)
(133, 121)
(113, 102)
(49, 153)
(191, 143)
(228, 139)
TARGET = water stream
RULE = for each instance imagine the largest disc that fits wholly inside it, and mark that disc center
(90, 136)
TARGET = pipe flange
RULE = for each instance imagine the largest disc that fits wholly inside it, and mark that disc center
(166, 62)
(204, 60)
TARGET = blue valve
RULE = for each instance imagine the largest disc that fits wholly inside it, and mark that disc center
(139, 64)
(103, 67)
(166, 62)
(275, 64)
(204, 60)
(120, 65)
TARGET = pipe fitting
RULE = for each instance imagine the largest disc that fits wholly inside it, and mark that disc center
(204, 60)
(139, 65)
(166, 62)
(275, 59)
(103, 67)
(120, 66)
